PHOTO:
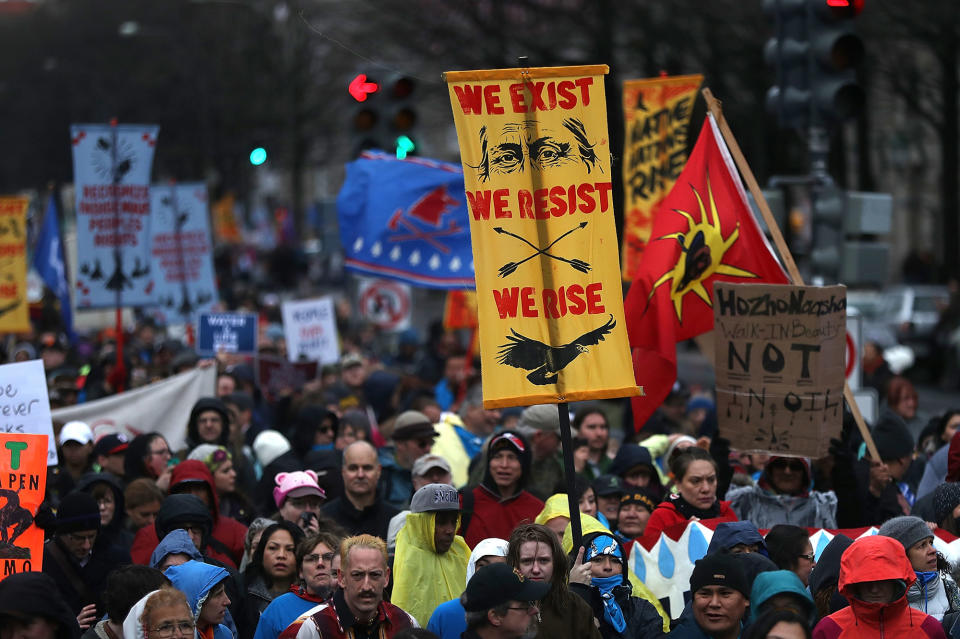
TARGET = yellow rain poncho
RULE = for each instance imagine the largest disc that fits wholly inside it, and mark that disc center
(422, 579)
(588, 525)
(555, 506)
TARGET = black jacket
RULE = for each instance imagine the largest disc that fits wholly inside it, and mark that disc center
(69, 574)
(373, 520)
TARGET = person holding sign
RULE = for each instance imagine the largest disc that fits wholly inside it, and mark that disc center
(783, 496)
(695, 473)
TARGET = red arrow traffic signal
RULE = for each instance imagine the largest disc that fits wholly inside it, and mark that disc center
(359, 88)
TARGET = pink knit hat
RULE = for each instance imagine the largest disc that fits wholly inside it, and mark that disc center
(296, 484)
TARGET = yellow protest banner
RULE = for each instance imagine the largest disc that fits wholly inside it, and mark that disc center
(536, 163)
(23, 479)
(656, 114)
(14, 311)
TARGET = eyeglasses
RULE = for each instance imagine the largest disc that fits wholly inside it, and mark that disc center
(169, 629)
(314, 558)
(809, 557)
(79, 539)
(792, 465)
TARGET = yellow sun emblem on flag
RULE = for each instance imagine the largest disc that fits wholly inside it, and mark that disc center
(702, 249)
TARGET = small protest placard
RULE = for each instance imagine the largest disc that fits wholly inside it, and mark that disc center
(227, 333)
(279, 376)
(780, 366)
(24, 406)
(23, 479)
(310, 327)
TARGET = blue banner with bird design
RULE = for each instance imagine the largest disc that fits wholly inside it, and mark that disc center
(536, 162)
(111, 175)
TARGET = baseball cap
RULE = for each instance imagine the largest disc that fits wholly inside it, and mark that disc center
(75, 432)
(435, 497)
(412, 424)
(608, 485)
(426, 462)
(296, 484)
(350, 359)
(496, 584)
(110, 444)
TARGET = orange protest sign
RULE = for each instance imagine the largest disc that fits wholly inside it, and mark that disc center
(225, 227)
(656, 114)
(23, 479)
(14, 313)
(536, 162)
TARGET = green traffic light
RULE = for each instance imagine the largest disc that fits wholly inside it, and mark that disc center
(258, 156)
(405, 146)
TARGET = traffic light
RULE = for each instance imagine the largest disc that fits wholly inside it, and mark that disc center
(403, 116)
(814, 53)
(365, 122)
(786, 52)
(258, 156)
(828, 203)
(835, 50)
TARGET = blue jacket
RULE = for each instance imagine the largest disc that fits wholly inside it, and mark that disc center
(283, 611)
(196, 579)
(448, 620)
(396, 483)
(776, 582)
(730, 533)
(176, 541)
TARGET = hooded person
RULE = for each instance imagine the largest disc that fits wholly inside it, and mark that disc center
(209, 423)
(934, 592)
(448, 620)
(226, 535)
(617, 612)
(134, 624)
(783, 496)
(555, 514)
(825, 576)
(106, 489)
(779, 590)
(205, 588)
(734, 537)
(874, 577)
(500, 502)
(175, 548)
(430, 566)
(633, 463)
(29, 598)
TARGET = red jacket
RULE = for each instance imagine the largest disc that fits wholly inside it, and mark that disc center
(665, 516)
(495, 518)
(229, 532)
(872, 559)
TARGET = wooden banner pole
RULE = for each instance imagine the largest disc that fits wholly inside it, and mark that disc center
(715, 108)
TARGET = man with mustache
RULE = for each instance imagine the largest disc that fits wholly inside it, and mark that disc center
(357, 609)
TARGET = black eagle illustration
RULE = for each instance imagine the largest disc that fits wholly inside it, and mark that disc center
(544, 361)
(697, 259)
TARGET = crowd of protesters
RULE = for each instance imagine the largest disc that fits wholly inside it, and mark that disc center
(382, 500)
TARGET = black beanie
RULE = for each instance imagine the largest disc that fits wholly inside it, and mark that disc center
(78, 511)
(892, 438)
(719, 570)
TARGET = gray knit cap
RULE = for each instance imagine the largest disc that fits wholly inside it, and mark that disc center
(946, 497)
(907, 530)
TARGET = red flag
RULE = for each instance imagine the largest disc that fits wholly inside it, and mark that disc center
(704, 232)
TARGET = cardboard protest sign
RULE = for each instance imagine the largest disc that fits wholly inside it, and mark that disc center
(780, 366)
(227, 333)
(111, 170)
(14, 311)
(182, 251)
(278, 376)
(536, 163)
(656, 114)
(23, 480)
(162, 407)
(24, 405)
(310, 327)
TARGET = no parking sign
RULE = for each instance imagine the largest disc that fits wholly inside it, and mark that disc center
(386, 303)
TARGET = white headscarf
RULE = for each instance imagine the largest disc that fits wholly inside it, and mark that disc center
(132, 626)
(490, 546)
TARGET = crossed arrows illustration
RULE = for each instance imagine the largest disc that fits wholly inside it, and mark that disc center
(417, 234)
(510, 267)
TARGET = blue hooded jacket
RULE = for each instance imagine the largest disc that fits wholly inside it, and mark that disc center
(730, 533)
(776, 582)
(176, 541)
(196, 579)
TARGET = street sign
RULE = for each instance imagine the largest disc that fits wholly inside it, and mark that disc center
(385, 303)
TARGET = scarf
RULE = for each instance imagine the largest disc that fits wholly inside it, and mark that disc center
(927, 580)
(688, 510)
(612, 613)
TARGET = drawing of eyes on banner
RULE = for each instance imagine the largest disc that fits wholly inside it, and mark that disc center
(23, 478)
(536, 161)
